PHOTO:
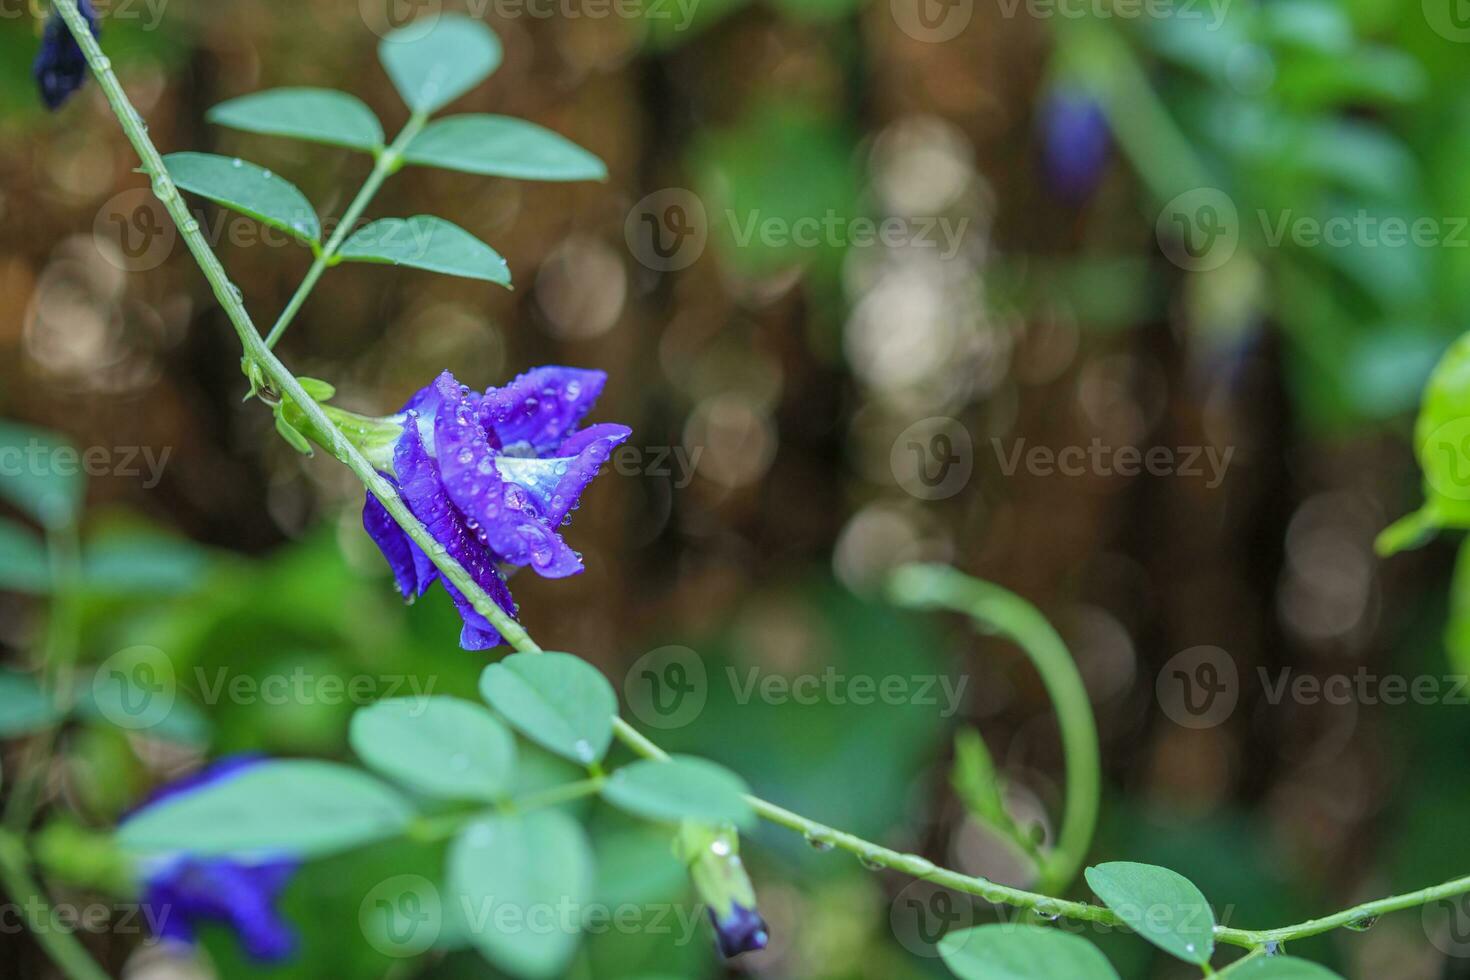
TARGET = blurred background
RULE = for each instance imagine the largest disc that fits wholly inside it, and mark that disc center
(860, 270)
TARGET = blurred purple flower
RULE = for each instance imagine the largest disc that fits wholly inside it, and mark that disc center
(1075, 142)
(492, 477)
(739, 930)
(181, 891)
(60, 67)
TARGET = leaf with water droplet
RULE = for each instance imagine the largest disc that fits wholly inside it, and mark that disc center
(555, 699)
(428, 243)
(246, 188)
(1160, 905)
(442, 747)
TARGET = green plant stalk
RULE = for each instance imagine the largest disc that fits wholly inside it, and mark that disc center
(389, 161)
(65, 950)
(516, 636)
(998, 611)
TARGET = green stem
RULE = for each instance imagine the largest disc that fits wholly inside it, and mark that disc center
(61, 945)
(516, 636)
(998, 611)
(388, 163)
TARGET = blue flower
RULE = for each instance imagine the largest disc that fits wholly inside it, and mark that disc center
(182, 891)
(60, 67)
(1075, 142)
(739, 930)
(492, 477)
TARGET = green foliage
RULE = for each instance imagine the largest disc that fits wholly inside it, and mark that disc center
(1160, 905)
(432, 67)
(1281, 968)
(24, 707)
(426, 242)
(312, 114)
(1019, 952)
(555, 699)
(46, 483)
(684, 788)
(502, 146)
(438, 746)
(525, 882)
(299, 807)
(249, 189)
(24, 566)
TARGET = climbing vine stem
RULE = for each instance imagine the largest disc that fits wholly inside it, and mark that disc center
(260, 359)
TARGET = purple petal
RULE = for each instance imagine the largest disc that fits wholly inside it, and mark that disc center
(412, 569)
(430, 502)
(541, 407)
(184, 892)
(555, 484)
(503, 516)
(741, 930)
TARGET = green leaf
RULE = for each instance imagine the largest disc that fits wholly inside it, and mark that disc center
(426, 242)
(24, 566)
(502, 146)
(24, 707)
(320, 391)
(1279, 968)
(41, 473)
(133, 562)
(432, 68)
(683, 788)
(1019, 952)
(300, 807)
(555, 699)
(1160, 905)
(524, 882)
(438, 746)
(294, 438)
(317, 115)
(247, 188)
